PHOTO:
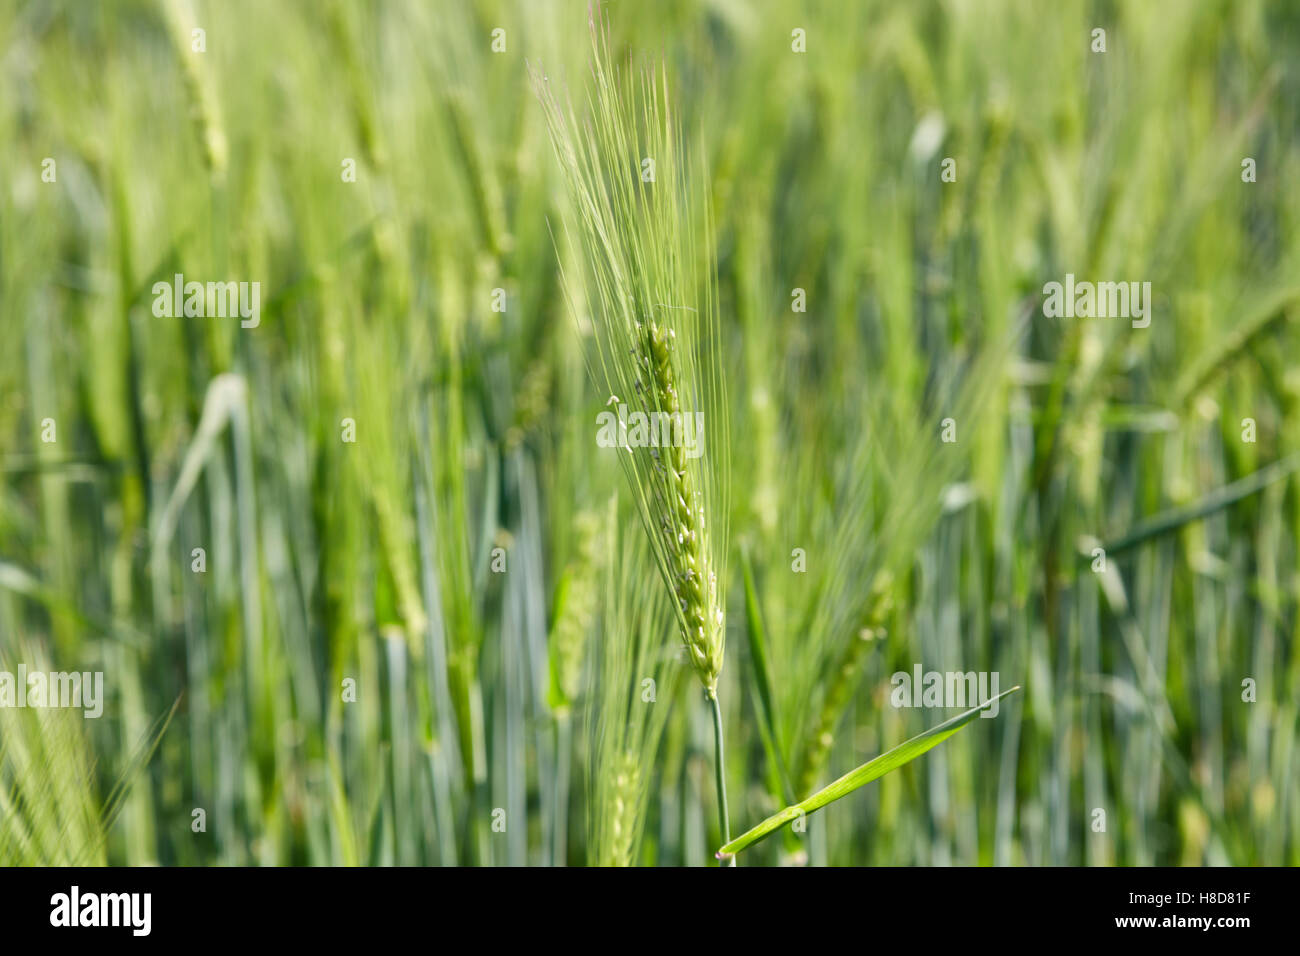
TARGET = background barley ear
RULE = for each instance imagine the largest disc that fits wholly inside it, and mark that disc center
(52, 808)
(636, 676)
(198, 90)
(577, 600)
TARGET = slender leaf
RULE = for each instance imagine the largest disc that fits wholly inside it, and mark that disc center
(758, 658)
(869, 771)
(1220, 498)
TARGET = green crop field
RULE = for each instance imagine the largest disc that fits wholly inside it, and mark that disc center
(705, 432)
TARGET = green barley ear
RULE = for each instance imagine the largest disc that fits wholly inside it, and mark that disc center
(644, 229)
(624, 821)
(52, 811)
(843, 680)
(198, 90)
(576, 601)
(49, 800)
(635, 678)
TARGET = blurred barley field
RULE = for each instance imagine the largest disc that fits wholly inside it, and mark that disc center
(366, 590)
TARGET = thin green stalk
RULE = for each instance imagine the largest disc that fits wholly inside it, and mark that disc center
(719, 773)
(563, 750)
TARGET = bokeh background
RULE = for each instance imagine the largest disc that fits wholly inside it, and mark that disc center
(372, 561)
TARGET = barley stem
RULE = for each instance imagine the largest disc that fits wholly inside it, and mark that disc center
(719, 773)
(563, 750)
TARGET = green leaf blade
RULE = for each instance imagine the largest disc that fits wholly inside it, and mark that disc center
(873, 769)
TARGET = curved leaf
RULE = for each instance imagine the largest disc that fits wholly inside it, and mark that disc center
(869, 771)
